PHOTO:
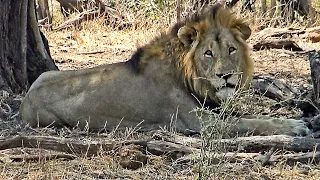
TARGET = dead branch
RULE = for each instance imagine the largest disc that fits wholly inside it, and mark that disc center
(278, 32)
(177, 139)
(172, 149)
(249, 144)
(32, 154)
(72, 146)
(183, 153)
(86, 15)
(287, 95)
(290, 159)
(264, 143)
(176, 147)
(282, 38)
(287, 44)
(100, 10)
(284, 32)
(274, 89)
(91, 52)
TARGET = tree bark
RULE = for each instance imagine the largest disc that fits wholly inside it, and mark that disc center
(163, 143)
(24, 51)
(273, 7)
(311, 105)
(69, 6)
(287, 10)
(44, 13)
(263, 4)
(251, 144)
(290, 159)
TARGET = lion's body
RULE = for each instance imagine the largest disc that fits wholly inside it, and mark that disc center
(106, 95)
(205, 57)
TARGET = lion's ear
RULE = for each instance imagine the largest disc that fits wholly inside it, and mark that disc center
(187, 35)
(245, 30)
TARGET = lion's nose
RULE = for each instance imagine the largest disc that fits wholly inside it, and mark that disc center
(224, 76)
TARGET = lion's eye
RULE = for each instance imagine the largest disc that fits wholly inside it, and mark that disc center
(208, 53)
(232, 50)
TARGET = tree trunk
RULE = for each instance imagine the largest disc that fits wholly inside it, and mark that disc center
(247, 4)
(287, 10)
(69, 6)
(273, 7)
(24, 51)
(263, 4)
(44, 13)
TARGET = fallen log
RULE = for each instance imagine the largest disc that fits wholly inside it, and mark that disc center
(68, 145)
(274, 89)
(287, 44)
(290, 159)
(284, 32)
(284, 38)
(176, 145)
(248, 144)
(287, 95)
(264, 143)
(32, 154)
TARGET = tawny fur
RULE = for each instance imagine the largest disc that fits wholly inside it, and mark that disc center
(203, 58)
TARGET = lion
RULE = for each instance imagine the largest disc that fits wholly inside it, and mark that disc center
(202, 59)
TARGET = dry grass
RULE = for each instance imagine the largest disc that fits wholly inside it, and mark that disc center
(95, 43)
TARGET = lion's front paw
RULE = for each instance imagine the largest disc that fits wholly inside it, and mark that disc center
(296, 127)
(266, 125)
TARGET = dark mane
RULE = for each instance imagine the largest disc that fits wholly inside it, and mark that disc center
(134, 62)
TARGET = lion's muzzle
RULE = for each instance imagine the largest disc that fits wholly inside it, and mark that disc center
(226, 85)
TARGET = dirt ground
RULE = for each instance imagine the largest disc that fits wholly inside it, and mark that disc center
(95, 45)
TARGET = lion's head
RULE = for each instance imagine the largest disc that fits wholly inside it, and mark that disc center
(209, 51)
(216, 60)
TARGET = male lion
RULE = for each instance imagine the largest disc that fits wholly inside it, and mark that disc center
(205, 57)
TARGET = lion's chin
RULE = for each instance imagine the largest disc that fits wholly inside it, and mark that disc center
(225, 93)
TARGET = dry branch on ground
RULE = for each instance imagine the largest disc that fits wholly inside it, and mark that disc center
(174, 146)
(274, 89)
(285, 38)
(274, 43)
(291, 159)
(32, 154)
(284, 32)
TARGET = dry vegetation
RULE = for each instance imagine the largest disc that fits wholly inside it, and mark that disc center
(95, 42)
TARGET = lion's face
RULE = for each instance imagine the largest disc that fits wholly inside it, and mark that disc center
(218, 60)
(220, 56)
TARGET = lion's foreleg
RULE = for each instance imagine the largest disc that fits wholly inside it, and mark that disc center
(265, 125)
